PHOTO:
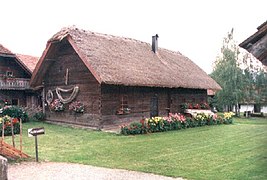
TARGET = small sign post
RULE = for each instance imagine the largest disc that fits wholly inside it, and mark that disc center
(35, 132)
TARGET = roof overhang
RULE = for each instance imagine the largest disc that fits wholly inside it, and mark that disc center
(256, 44)
(18, 61)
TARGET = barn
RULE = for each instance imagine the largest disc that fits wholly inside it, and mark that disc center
(114, 80)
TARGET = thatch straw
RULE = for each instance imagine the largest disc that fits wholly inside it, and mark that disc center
(129, 62)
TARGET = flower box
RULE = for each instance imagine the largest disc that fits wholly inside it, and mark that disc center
(194, 112)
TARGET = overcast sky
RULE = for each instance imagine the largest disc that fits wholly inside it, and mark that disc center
(193, 27)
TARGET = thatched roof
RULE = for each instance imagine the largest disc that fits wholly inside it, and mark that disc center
(124, 61)
(29, 61)
(256, 44)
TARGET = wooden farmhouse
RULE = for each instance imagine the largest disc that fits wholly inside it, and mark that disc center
(117, 79)
(256, 44)
(15, 75)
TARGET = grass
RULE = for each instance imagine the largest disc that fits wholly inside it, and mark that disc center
(237, 151)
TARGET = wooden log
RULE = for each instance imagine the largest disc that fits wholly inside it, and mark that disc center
(3, 130)
(12, 133)
(20, 133)
(11, 152)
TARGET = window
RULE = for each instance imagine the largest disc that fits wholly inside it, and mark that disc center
(124, 108)
(9, 74)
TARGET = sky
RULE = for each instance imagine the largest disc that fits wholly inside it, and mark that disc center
(193, 27)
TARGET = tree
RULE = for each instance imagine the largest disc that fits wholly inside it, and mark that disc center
(242, 80)
(228, 74)
(260, 88)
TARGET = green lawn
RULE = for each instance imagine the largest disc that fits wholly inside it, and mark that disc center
(237, 151)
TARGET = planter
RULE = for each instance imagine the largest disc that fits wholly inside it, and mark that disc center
(194, 112)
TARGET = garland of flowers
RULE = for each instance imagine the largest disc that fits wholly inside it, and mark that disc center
(74, 93)
(49, 97)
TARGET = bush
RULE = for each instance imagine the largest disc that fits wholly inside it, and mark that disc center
(39, 116)
(6, 122)
(174, 122)
(15, 112)
(133, 128)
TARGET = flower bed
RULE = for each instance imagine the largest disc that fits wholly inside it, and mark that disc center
(15, 112)
(174, 122)
(6, 122)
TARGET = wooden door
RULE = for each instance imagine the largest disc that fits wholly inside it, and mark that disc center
(154, 110)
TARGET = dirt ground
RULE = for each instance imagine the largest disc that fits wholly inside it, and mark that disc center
(68, 171)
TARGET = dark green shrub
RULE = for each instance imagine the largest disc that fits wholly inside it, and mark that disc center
(39, 116)
(133, 128)
(15, 112)
(6, 122)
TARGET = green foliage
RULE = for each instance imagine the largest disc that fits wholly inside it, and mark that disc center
(238, 85)
(174, 122)
(15, 112)
(261, 87)
(133, 128)
(6, 122)
(39, 116)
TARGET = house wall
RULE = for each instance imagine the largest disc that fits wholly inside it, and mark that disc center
(9, 95)
(250, 107)
(264, 109)
(14, 96)
(78, 75)
(139, 102)
(9, 64)
(244, 107)
(182, 95)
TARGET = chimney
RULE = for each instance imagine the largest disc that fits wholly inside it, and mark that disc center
(155, 43)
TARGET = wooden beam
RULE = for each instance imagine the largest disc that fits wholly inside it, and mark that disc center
(53, 60)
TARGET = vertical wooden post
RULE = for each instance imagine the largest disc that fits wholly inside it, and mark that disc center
(43, 98)
(3, 129)
(12, 132)
(67, 76)
(36, 148)
(3, 133)
(20, 133)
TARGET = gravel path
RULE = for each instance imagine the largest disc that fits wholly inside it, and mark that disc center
(68, 171)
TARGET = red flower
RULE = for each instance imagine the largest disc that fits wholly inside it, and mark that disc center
(15, 120)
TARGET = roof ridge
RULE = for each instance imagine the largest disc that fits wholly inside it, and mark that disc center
(69, 29)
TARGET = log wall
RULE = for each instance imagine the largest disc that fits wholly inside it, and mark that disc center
(14, 95)
(78, 75)
(9, 64)
(139, 102)
(103, 102)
